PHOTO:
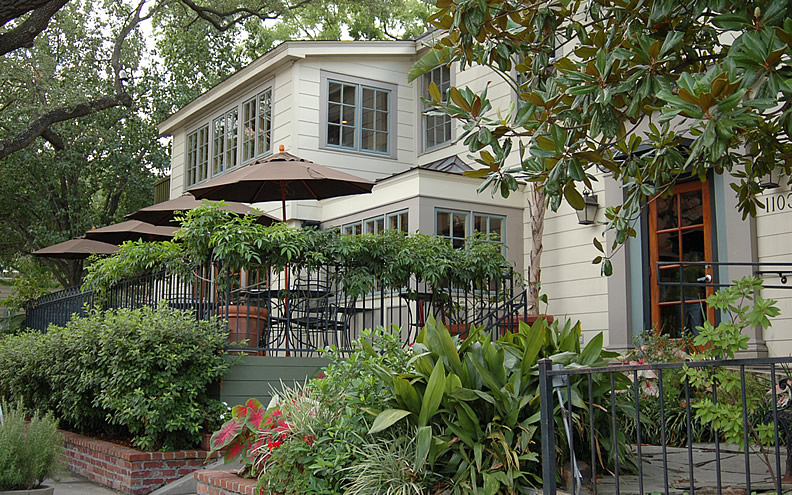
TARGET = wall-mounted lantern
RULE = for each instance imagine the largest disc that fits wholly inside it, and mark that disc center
(589, 212)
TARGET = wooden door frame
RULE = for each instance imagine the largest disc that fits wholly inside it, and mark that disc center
(654, 255)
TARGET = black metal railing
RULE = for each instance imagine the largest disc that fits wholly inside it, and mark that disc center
(597, 412)
(684, 286)
(296, 311)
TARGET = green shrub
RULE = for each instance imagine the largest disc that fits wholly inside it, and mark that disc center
(475, 404)
(28, 453)
(140, 373)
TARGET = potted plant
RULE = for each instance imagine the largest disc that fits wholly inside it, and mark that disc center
(30, 451)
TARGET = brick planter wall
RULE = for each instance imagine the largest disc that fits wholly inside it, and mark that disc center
(125, 469)
(224, 483)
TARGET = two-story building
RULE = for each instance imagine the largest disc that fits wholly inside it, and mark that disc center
(348, 105)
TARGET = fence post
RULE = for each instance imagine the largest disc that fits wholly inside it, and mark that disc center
(547, 424)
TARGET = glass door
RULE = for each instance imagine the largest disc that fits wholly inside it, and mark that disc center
(680, 232)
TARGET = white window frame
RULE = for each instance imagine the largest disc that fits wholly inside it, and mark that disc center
(362, 84)
(433, 76)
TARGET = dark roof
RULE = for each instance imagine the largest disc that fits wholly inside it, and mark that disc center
(452, 164)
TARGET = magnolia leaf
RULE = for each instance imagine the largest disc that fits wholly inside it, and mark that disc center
(435, 58)
(434, 92)
(573, 197)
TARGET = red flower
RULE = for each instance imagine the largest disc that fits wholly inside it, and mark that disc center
(308, 439)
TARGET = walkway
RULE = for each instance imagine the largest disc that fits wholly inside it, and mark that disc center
(705, 472)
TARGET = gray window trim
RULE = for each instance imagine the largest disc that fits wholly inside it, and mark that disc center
(398, 213)
(393, 110)
(209, 122)
(256, 100)
(196, 130)
(468, 217)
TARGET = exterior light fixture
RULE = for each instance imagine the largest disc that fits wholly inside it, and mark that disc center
(123, 76)
(589, 212)
(772, 179)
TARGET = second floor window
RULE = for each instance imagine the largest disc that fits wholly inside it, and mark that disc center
(256, 126)
(225, 129)
(240, 134)
(436, 128)
(197, 166)
(358, 117)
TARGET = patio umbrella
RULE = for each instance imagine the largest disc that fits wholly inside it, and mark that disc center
(163, 213)
(79, 248)
(131, 230)
(282, 176)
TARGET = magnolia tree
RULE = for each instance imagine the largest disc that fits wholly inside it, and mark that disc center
(648, 91)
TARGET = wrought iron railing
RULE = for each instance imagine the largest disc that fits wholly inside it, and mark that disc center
(295, 312)
(593, 416)
(684, 287)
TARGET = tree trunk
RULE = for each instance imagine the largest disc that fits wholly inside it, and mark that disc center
(536, 212)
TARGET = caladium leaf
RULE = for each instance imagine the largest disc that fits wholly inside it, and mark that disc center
(226, 434)
(254, 418)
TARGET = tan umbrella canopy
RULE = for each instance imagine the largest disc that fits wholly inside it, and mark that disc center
(131, 230)
(79, 248)
(163, 213)
(282, 176)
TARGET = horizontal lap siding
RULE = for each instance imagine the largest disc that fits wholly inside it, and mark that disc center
(574, 286)
(774, 245)
(257, 376)
(308, 107)
(282, 111)
(177, 165)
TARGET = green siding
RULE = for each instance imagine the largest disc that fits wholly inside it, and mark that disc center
(256, 376)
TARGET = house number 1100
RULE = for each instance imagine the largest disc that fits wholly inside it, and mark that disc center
(779, 202)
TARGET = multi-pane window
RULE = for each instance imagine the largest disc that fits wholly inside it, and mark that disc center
(490, 224)
(256, 126)
(374, 225)
(352, 228)
(437, 128)
(398, 221)
(224, 155)
(197, 155)
(264, 127)
(452, 225)
(358, 117)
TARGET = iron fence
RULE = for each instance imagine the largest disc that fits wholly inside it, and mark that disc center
(610, 407)
(296, 311)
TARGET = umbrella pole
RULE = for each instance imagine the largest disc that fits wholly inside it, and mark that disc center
(286, 271)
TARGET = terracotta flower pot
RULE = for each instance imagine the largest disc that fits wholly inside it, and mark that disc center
(245, 323)
(42, 490)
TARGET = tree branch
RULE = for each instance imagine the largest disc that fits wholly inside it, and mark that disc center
(40, 125)
(220, 19)
(55, 140)
(24, 34)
